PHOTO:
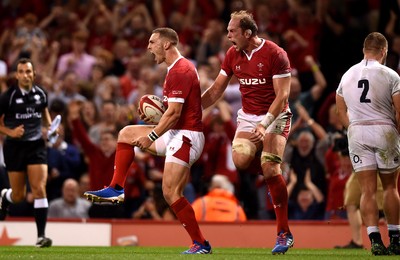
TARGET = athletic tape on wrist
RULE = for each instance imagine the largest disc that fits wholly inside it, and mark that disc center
(267, 120)
(153, 136)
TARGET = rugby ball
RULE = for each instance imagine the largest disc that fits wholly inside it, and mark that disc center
(152, 107)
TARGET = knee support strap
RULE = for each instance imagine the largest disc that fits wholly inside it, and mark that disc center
(244, 146)
(270, 157)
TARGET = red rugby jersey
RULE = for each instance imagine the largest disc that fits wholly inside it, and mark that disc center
(255, 73)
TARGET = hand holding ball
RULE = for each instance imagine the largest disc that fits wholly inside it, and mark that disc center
(152, 107)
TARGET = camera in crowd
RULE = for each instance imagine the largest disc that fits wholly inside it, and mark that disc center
(341, 144)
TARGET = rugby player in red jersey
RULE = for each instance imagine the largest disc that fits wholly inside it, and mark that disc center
(178, 136)
(263, 124)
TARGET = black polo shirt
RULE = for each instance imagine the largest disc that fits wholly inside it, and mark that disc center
(24, 108)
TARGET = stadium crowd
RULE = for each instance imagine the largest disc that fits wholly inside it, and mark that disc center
(90, 56)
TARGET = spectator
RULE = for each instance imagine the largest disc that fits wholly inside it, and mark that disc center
(301, 157)
(210, 43)
(108, 121)
(121, 52)
(302, 39)
(393, 59)
(101, 156)
(89, 114)
(67, 89)
(70, 205)
(84, 183)
(220, 203)
(77, 61)
(98, 21)
(101, 160)
(136, 27)
(339, 169)
(309, 203)
(64, 162)
(309, 95)
(219, 135)
(154, 207)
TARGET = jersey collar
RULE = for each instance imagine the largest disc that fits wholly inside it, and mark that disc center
(254, 50)
(170, 66)
(24, 92)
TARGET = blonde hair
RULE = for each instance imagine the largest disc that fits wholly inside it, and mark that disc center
(247, 21)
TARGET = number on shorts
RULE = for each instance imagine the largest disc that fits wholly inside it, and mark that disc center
(364, 84)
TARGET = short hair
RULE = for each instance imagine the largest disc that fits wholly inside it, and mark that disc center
(81, 35)
(25, 61)
(222, 182)
(375, 42)
(169, 34)
(247, 21)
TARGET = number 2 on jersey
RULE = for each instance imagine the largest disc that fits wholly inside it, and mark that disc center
(364, 84)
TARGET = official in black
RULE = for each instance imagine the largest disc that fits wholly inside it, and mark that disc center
(23, 114)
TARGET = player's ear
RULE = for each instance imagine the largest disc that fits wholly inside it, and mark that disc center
(167, 45)
(248, 33)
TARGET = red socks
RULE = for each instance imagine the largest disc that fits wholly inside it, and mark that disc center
(123, 159)
(279, 195)
(184, 212)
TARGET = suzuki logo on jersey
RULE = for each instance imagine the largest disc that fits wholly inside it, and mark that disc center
(252, 81)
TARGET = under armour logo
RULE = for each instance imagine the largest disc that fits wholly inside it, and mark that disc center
(277, 206)
(237, 67)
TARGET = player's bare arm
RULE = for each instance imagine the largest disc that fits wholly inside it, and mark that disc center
(46, 117)
(13, 133)
(215, 91)
(396, 104)
(341, 108)
(167, 121)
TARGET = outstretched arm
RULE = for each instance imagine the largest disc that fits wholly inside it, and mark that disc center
(215, 91)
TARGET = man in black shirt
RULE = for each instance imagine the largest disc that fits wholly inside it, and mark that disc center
(23, 110)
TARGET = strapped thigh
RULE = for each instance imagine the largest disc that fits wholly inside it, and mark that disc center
(244, 146)
(270, 157)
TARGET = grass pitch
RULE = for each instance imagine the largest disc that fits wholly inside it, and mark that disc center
(120, 253)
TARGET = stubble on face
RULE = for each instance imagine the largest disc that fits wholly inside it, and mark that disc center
(155, 48)
(25, 75)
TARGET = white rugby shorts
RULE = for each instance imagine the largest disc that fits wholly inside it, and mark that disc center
(183, 147)
(374, 147)
(280, 126)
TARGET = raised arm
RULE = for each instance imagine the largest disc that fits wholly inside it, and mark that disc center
(215, 91)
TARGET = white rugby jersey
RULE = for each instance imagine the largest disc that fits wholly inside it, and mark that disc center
(367, 89)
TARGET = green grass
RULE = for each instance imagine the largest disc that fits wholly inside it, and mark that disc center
(120, 253)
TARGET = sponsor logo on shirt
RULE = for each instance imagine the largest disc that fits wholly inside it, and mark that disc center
(30, 113)
(176, 92)
(252, 81)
